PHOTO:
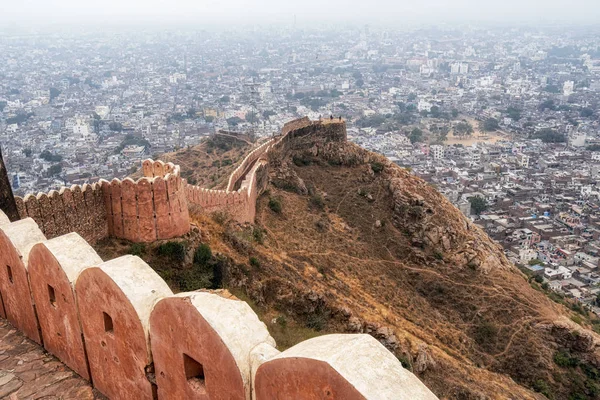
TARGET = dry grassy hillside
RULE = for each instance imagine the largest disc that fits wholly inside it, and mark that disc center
(210, 163)
(345, 241)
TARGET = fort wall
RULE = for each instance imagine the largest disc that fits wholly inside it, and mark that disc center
(156, 206)
(118, 324)
(152, 208)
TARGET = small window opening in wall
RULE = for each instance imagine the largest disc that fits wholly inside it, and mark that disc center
(10, 275)
(52, 296)
(194, 373)
(108, 323)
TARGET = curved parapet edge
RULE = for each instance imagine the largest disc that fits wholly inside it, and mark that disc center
(116, 299)
(16, 241)
(54, 267)
(214, 351)
(339, 366)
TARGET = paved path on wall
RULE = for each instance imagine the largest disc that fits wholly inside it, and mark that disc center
(238, 183)
(27, 371)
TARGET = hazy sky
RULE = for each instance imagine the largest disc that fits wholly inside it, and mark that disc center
(27, 12)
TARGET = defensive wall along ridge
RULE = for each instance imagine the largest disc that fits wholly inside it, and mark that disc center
(152, 208)
(117, 324)
(157, 205)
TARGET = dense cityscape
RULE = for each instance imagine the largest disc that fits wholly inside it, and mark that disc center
(503, 121)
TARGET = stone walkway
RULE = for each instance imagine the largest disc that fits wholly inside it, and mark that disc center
(27, 371)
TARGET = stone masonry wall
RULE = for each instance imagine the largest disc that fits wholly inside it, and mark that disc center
(118, 325)
(153, 207)
(240, 203)
(157, 206)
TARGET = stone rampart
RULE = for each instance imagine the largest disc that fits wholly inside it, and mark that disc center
(117, 324)
(156, 206)
(250, 178)
(78, 209)
(153, 207)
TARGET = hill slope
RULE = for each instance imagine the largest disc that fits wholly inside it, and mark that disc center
(346, 241)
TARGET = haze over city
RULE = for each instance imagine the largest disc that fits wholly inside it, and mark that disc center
(32, 13)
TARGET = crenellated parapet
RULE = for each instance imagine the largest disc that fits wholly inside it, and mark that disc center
(152, 208)
(156, 206)
(117, 324)
(75, 209)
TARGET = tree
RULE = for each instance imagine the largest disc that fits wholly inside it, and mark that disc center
(234, 121)
(360, 83)
(267, 113)
(550, 136)
(454, 113)
(586, 112)
(115, 126)
(251, 117)
(3, 104)
(415, 135)
(513, 113)
(27, 152)
(463, 128)
(54, 93)
(478, 204)
(224, 99)
(55, 170)
(489, 125)
(47, 156)
(547, 104)
(209, 118)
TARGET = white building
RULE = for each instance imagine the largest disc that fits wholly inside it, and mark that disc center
(459, 68)
(523, 160)
(568, 88)
(437, 151)
(558, 272)
(424, 106)
(526, 255)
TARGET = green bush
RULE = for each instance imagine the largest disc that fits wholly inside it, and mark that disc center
(173, 250)
(377, 167)
(539, 279)
(202, 255)
(275, 205)
(281, 321)
(137, 249)
(485, 333)
(258, 235)
(220, 217)
(254, 262)
(564, 359)
(301, 161)
(316, 201)
(541, 386)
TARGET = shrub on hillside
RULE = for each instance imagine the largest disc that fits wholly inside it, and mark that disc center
(564, 359)
(377, 167)
(255, 263)
(316, 201)
(137, 249)
(203, 254)
(172, 250)
(275, 205)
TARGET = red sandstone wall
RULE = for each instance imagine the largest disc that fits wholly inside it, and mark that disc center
(149, 209)
(241, 203)
(78, 209)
